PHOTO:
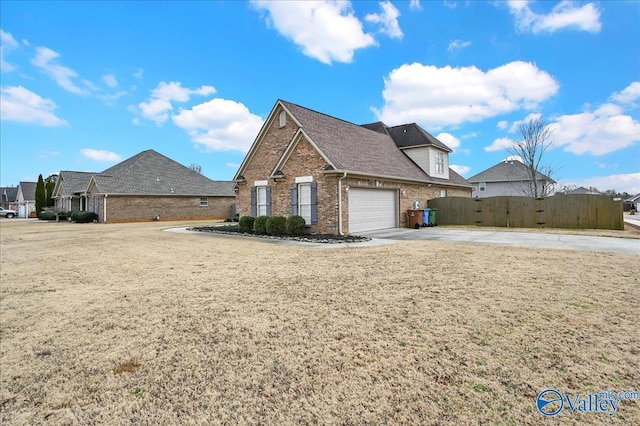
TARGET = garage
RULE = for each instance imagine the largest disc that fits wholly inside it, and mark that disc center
(372, 209)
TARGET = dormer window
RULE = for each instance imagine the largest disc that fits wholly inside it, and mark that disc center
(282, 119)
(440, 162)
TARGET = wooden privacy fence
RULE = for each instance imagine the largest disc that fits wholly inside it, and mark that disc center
(560, 211)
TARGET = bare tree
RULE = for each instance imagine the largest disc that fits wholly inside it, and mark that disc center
(536, 140)
(196, 168)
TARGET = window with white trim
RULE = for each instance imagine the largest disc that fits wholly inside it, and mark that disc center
(204, 202)
(482, 186)
(304, 201)
(440, 162)
(443, 193)
(261, 200)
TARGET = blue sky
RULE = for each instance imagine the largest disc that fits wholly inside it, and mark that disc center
(87, 84)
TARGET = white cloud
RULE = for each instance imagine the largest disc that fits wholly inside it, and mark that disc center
(604, 130)
(388, 20)
(438, 97)
(138, 74)
(415, 5)
(566, 14)
(110, 99)
(629, 182)
(629, 95)
(160, 103)
(457, 45)
(220, 125)
(450, 4)
(503, 124)
(22, 105)
(326, 30)
(500, 144)
(449, 140)
(461, 170)
(62, 75)
(515, 126)
(7, 44)
(110, 80)
(100, 155)
(470, 135)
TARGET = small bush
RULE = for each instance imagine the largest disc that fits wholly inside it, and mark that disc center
(295, 225)
(260, 225)
(74, 214)
(46, 215)
(246, 224)
(51, 215)
(235, 217)
(276, 225)
(84, 217)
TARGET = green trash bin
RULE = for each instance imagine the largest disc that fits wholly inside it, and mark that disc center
(432, 218)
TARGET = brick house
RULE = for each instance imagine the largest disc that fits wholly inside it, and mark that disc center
(145, 187)
(342, 177)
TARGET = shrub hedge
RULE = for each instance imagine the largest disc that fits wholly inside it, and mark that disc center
(246, 224)
(84, 217)
(46, 215)
(260, 225)
(276, 225)
(295, 225)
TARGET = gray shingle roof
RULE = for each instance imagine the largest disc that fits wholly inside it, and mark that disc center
(411, 135)
(74, 182)
(506, 171)
(151, 173)
(583, 190)
(28, 190)
(358, 149)
(9, 193)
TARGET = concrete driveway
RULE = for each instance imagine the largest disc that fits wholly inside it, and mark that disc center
(515, 239)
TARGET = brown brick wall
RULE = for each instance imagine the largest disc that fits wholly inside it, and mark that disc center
(272, 145)
(305, 160)
(143, 208)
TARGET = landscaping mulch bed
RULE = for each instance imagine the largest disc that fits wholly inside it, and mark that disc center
(307, 238)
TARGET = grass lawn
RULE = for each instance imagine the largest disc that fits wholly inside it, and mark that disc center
(124, 323)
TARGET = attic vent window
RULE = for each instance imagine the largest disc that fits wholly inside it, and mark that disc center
(282, 119)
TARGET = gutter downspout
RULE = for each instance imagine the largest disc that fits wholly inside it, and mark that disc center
(104, 213)
(340, 203)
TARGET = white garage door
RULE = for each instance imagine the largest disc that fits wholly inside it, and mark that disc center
(371, 209)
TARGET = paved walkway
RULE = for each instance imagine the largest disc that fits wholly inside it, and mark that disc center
(466, 236)
(515, 239)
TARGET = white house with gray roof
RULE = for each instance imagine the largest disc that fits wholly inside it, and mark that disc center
(508, 177)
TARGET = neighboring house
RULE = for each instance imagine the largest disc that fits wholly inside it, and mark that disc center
(509, 177)
(632, 203)
(145, 187)
(339, 176)
(582, 190)
(9, 197)
(26, 199)
(70, 190)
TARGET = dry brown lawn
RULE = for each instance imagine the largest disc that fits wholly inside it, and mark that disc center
(126, 324)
